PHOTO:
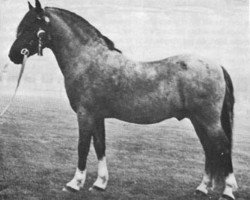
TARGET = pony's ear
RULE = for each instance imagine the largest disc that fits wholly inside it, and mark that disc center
(38, 6)
(30, 6)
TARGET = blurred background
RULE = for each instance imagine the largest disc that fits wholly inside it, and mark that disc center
(144, 30)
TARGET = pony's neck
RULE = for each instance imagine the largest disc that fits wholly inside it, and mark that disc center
(72, 40)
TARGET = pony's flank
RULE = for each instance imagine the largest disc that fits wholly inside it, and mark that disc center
(77, 22)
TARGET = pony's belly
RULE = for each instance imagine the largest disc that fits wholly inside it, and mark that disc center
(142, 120)
(147, 109)
(143, 115)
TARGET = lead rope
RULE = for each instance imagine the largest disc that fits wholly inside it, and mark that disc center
(25, 53)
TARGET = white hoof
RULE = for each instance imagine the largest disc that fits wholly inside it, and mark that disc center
(100, 183)
(75, 184)
(225, 197)
(202, 188)
(230, 187)
(95, 188)
(231, 182)
(69, 189)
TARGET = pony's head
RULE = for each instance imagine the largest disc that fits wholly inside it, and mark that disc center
(31, 35)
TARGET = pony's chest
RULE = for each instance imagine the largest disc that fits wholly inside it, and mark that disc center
(78, 92)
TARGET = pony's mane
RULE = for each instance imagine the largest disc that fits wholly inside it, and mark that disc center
(80, 22)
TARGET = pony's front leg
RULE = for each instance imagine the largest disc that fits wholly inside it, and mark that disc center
(86, 126)
(99, 144)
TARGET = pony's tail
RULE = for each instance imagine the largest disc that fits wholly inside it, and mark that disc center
(227, 114)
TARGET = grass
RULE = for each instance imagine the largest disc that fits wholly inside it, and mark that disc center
(38, 155)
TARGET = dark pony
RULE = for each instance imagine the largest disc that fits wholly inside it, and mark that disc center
(102, 83)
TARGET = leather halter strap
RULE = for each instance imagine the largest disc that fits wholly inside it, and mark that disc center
(40, 35)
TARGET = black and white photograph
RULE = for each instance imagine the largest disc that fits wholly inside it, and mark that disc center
(124, 100)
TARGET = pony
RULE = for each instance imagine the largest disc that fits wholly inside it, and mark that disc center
(102, 83)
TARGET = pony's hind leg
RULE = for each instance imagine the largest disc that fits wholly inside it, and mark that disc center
(222, 167)
(99, 145)
(206, 179)
(220, 160)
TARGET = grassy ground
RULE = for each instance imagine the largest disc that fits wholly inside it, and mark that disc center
(38, 143)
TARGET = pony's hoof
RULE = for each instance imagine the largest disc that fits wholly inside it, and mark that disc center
(95, 188)
(225, 197)
(69, 189)
(200, 193)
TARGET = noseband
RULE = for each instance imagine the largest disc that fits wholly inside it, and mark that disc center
(25, 52)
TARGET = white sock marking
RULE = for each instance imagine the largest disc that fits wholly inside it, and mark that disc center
(102, 178)
(231, 185)
(78, 181)
(204, 183)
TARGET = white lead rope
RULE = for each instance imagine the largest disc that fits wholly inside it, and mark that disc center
(25, 53)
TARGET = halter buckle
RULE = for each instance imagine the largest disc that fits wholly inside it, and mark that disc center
(25, 52)
(40, 33)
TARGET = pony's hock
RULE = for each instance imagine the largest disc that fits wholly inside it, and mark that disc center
(102, 83)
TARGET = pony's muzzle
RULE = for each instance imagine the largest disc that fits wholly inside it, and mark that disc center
(16, 57)
(18, 51)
